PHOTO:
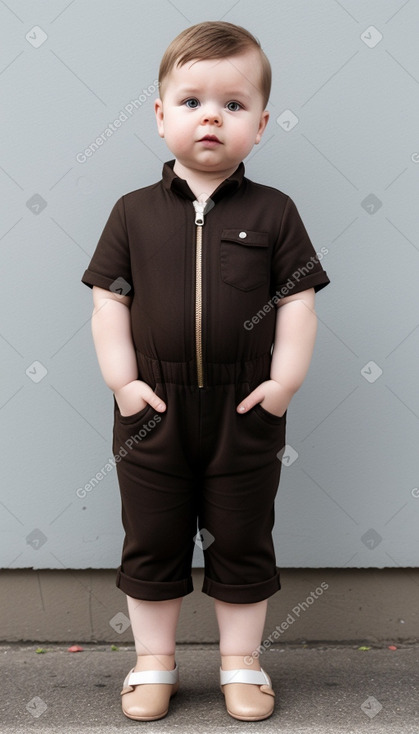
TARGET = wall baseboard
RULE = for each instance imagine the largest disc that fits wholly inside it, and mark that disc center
(313, 605)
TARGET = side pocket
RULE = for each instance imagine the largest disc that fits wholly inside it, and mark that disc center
(133, 434)
(128, 420)
(262, 413)
(260, 431)
(270, 418)
(131, 420)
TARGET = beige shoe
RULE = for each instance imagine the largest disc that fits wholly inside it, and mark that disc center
(248, 694)
(147, 693)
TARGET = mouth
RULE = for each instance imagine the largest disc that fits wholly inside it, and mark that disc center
(210, 139)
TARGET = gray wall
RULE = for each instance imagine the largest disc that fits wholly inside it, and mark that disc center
(351, 163)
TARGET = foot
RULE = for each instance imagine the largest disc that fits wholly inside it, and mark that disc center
(150, 701)
(246, 701)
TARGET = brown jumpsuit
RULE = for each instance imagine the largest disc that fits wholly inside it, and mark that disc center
(205, 285)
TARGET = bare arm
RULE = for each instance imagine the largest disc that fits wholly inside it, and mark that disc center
(295, 334)
(111, 330)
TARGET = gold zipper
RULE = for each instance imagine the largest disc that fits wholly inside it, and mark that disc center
(199, 222)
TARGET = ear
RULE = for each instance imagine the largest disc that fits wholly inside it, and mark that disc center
(158, 109)
(262, 125)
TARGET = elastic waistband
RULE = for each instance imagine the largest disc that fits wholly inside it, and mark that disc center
(252, 371)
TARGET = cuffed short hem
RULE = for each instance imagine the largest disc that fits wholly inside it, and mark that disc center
(153, 590)
(241, 593)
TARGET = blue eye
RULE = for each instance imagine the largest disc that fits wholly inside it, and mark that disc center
(194, 104)
(237, 106)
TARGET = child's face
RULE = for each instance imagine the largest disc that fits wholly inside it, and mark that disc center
(218, 97)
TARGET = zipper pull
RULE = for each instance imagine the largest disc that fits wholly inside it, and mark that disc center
(199, 207)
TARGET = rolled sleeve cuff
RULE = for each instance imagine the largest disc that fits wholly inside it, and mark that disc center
(314, 280)
(91, 278)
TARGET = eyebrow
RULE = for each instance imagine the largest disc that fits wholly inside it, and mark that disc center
(232, 93)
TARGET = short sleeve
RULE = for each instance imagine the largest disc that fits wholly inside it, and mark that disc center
(110, 266)
(295, 263)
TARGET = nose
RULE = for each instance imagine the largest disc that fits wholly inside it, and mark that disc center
(211, 116)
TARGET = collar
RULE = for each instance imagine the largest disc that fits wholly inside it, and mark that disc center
(173, 182)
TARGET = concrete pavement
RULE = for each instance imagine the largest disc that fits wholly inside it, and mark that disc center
(319, 688)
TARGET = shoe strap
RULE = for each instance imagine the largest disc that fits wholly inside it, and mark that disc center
(153, 676)
(242, 675)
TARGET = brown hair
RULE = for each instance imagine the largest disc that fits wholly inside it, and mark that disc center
(213, 40)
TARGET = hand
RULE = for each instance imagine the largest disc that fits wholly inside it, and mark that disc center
(135, 396)
(271, 395)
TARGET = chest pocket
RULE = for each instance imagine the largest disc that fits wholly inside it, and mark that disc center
(244, 258)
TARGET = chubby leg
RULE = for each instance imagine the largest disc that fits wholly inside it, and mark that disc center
(241, 629)
(154, 629)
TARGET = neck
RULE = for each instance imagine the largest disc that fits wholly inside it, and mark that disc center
(202, 183)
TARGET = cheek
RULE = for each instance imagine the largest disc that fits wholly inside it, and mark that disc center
(243, 138)
(178, 138)
(177, 129)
